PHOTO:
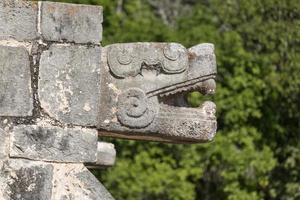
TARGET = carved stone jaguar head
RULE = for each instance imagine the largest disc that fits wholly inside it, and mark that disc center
(143, 87)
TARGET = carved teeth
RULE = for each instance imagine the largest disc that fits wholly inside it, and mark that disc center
(205, 87)
(183, 89)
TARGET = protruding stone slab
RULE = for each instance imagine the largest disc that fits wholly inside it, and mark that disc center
(23, 179)
(106, 155)
(15, 82)
(18, 19)
(69, 84)
(74, 181)
(72, 23)
(54, 144)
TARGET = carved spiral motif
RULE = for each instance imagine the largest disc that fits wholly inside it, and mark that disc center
(134, 109)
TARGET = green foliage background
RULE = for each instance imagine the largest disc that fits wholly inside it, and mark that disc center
(256, 153)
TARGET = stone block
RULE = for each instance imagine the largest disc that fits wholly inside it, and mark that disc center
(69, 85)
(23, 179)
(18, 19)
(71, 22)
(15, 82)
(49, 143)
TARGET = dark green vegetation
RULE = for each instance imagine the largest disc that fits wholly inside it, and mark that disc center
(256, 153)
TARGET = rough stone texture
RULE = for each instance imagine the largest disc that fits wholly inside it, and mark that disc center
(69, 83)
(71, 23)
(15, 82)
(74, 181)
(139, 83)
(18, 19)
(24, 180)
(54, 144)
(4, 144)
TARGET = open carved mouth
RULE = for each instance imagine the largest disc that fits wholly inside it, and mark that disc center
(187, 123)
(176, 95)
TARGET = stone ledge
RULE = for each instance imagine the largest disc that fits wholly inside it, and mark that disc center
(47, 143)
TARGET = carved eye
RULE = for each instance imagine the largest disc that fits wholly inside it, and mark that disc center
(124, 57)
(177, 59)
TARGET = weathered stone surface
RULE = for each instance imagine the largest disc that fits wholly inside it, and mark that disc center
(106, 155)
(69, 84)
(25, 180)
(15, 82)
(18, 19)
(4, 144)
(71, 23)
(54, 144)
(74, 181)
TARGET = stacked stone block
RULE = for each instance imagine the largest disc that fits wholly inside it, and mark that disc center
(49, 99)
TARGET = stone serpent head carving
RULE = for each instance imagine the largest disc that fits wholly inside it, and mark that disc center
(142, 87)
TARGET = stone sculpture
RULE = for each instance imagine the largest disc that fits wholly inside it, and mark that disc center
(60, 90)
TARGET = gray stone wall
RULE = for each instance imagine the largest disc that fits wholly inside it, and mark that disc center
(47, 133)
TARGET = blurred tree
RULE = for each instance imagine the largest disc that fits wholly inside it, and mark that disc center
(256, 154)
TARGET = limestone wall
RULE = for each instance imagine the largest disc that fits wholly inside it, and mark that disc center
(47, 127)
